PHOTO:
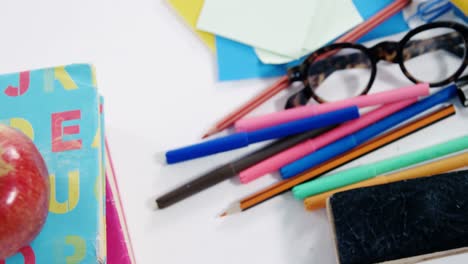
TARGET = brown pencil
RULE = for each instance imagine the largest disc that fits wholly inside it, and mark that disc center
(360, 151)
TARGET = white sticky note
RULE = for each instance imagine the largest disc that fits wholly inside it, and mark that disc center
(269, 57)
(335, 18)
(280, 26)
(332, 19)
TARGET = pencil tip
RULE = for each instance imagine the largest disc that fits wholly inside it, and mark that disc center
(233, 209)
(210, 132)
(160, 157)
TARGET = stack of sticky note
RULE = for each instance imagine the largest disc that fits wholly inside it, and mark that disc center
(262, 38)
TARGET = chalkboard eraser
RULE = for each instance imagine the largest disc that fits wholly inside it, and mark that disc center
(402, 222)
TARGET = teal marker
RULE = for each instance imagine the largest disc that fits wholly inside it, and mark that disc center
(365, 172)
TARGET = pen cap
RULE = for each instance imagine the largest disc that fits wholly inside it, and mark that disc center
(207, 148)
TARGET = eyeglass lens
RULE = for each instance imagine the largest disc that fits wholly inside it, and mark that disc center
(434, 55)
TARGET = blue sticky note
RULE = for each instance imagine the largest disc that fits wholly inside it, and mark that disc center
(237, 61)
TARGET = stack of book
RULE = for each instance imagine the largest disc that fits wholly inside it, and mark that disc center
(60, 109)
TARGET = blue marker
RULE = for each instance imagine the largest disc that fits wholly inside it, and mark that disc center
(347, 143)
(243, 139)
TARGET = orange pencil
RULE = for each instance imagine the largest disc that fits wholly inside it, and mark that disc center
(444, 165)
(319, 170)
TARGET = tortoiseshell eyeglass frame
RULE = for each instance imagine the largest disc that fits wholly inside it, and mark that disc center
(390, 51)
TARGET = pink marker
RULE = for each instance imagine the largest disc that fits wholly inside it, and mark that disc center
(281, 159)
(255, 123)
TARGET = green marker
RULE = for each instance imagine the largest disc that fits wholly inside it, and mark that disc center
(365, 172)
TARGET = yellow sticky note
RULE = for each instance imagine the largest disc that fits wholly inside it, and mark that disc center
(462, 4)
(190, 10)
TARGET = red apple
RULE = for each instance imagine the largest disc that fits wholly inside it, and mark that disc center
(24, 191)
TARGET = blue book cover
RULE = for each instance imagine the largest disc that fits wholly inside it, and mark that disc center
(59, 109)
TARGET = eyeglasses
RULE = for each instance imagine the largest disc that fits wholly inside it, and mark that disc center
(344, 70)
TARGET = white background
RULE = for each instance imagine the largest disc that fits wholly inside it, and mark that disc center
(161, 92)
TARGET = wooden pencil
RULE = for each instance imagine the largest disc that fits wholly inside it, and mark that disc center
(436, 167)
(360, 151)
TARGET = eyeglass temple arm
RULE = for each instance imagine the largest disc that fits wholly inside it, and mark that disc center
(462, 88)
(462, 81)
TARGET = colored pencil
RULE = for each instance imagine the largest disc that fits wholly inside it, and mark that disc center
(390, 137)
(436, 167)
(284, 82)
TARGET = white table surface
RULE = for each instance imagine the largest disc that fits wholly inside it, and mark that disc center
(161, 92)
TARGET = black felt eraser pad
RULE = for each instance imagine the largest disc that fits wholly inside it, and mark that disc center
(402, 222)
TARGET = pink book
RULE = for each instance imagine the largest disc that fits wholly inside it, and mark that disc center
(119, 246)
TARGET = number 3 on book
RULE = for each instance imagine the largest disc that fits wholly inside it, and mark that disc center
(80, 249)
